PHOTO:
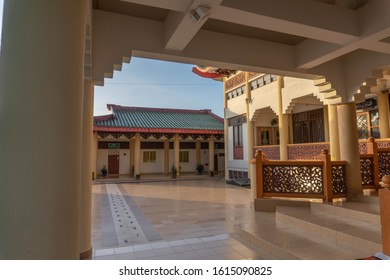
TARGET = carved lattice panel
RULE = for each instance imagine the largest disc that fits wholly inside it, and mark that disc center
(362, 124)
(363, 148)
(293, 179)
(306, 152)
(384, 164)
(367, 170)
(383, 144)
(272, 153)
(339, 185)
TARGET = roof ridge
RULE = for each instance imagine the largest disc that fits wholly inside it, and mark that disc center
(154, 109)
(103, 117)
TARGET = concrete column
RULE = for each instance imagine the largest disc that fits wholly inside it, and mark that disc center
(290, 129)
(326, 123)
(41, 90)
(211, 153)
(198, 154)
(226, 145)
(166, 157)
(349, 146)
(176, 153)
(250, 124)
(94, 154)
(251, 139)
(137, 154)
(86, 173)
(226, 130)
(283, 122)
(383, 109)
(334, 133)
(132, 157)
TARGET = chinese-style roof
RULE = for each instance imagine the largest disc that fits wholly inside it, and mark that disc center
(158, 120)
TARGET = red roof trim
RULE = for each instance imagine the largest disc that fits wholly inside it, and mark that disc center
(206, 74)
(156, 130)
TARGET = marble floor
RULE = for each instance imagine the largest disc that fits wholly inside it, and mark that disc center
(172, 219)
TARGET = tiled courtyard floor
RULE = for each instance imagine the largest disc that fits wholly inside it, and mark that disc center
(183, 219)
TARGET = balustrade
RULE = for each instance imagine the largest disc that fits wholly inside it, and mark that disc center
(297, 176)
(321, 179)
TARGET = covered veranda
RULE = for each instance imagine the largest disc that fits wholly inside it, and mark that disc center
(54, 52)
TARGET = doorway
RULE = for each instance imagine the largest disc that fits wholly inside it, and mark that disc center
(113, 164)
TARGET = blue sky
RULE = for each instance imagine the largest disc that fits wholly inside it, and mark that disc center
(154, 83)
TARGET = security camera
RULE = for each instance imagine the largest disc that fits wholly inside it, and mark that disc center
(199, 13)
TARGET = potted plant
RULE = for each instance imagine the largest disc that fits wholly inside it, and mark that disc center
(104, 171)
(137, 176)
(174, 171)
(200, 168)
(212, 173)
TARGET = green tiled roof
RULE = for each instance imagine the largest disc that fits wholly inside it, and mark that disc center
(153, 118)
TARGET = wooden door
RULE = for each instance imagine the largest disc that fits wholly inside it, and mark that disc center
(113, 164)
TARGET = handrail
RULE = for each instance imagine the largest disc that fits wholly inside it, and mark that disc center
(338, 162)
(309, 144)
(293, 162)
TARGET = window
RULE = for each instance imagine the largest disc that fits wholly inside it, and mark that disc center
(184, 156)
(368, 124)
(308, 127)
(238, 152)
(237, 135)
(149, 156)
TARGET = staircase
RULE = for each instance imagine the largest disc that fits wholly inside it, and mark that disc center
(316, 231)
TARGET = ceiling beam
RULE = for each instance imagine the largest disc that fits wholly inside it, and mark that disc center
(120, 35)
(180, 28)
(312, 53)
(173, 5)
(317, 20)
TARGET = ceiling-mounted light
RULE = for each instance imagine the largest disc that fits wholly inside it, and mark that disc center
(199, 13)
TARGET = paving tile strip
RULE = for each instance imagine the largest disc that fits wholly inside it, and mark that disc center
(128, 230)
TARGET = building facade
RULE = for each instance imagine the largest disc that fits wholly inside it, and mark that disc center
(137, 141)
(268, 112)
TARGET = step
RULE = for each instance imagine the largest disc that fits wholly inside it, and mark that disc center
(358, 210)
(289, 243)
(337, 229)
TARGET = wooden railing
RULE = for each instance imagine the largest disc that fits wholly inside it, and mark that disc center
(321, 179)
(375, 162)
(367, 171)
(374, 158)
(383, 162)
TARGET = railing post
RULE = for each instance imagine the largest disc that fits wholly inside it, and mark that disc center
(327, 175)
(252, 164)
(259, 173)
(372, 149)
